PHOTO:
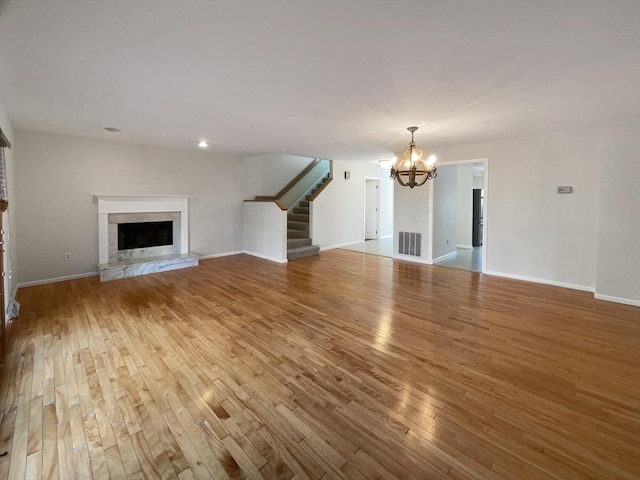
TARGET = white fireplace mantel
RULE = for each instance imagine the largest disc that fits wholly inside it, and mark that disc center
(140, 204)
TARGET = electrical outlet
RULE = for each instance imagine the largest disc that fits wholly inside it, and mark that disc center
(67, 256)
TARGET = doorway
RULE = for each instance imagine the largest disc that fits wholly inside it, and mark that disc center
(459, 215)
(371, 208)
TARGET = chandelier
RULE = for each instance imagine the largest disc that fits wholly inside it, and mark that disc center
(412, 170)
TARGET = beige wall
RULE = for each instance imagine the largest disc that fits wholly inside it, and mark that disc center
(618, 254)
(464, 212)
(533, 232)
(338, 213)
(537, 234)
(445, 211)
(58, 175)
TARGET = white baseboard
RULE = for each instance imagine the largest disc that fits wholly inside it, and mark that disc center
(624, 301)
(386, 236)
(218, 255)
(544, 281)
(465, 247)
(411, 258)
(331, 247)
(55, 280)
(442, 257)
(265, 257)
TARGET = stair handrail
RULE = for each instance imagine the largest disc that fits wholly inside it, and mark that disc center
(293, 182)
(288, 186)
(314, 195)
(280, 199)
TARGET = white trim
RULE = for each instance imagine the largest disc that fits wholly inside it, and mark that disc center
(525, 278)
(139, 196)
(465, 247)
(56, 280)
(140, 204)
(442, 257)
(265, 257)
(624, 301)
(218, 255)
(386, 236)
(411, 258)
(331, 247)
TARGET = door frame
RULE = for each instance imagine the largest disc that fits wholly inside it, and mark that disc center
(364, 209)
(485, 215)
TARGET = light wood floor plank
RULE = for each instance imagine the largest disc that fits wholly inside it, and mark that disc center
(337, 366)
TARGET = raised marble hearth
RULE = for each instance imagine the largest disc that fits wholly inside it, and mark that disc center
(141, 266)
(140, 251)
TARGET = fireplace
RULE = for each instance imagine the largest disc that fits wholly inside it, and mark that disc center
(139, 235)
(144, 235)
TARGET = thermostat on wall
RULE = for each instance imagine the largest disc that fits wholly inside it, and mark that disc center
(565, 189)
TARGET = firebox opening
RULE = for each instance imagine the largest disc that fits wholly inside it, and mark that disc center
(144, 235)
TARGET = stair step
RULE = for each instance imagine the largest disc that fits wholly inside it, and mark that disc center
(302, 210)
(298, 242)
(304, 203)
(297, 234)
(302, 252)
(298, 217)
(304, 226)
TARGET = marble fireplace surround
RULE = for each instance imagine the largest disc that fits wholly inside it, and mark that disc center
(114, 209)
(116, 219)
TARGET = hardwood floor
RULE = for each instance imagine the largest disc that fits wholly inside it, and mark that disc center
(464, 259)
(343, 365)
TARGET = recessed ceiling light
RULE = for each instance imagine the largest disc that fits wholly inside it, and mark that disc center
(112, 129)
(203, 144)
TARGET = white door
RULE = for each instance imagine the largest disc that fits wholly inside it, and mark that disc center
(371, 208)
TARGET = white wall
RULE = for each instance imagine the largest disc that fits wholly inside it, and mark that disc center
(464, 214)
(9, 220)
(57, 176)
(445, 197)
(411, 214)
(338, 212)
(265, 231)
(533, 232)
(618, 253)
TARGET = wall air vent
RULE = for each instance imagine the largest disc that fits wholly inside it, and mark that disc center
(409, 243)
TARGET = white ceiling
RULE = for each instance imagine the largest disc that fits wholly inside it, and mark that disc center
(330, 79)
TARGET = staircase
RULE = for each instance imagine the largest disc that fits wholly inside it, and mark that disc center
(298, 240)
